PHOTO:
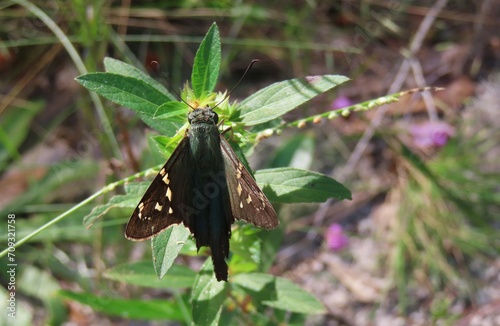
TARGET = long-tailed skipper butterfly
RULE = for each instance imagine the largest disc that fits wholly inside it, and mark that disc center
(204, 186)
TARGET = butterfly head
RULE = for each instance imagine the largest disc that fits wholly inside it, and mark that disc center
(206, 115)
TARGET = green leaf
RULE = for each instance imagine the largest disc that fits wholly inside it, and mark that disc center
(168, 127)
(289, 185)
(271, 244)
(130, 87)
(121, 68)
(208, 296)
(130, 309)
(207, 64)
(290, 297)
(245, 249)
(172, 109)
(143, 274)
(279, 293)
(166, 246)
(165, 145)
(168, 118)
(297, 152)
(130, 92)
(279, 98)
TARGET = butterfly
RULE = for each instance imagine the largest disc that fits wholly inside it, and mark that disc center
(206, 187)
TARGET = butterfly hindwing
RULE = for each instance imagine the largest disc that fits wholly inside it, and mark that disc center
(248, 202)
(159, 207)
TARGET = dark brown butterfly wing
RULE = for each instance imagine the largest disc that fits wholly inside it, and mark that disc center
(248, 202)
(160, 206)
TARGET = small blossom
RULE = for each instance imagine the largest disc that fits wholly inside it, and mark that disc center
(336, 239)
(341, 102)
(431, 134)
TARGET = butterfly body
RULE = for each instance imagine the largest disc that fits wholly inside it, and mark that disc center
(204, 186)
(211, 218)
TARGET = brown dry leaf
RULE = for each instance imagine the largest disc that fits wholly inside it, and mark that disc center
(364, 287)
(15, 182)
(455, 94)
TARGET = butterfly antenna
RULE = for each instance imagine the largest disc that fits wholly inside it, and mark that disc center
(156, 70)
(239, 81)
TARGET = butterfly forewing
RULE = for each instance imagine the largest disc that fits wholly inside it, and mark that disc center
(159, 207)
(248, 202)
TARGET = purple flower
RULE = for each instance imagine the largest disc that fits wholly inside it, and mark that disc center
(341, 102)
(431, 133)
(336, 239)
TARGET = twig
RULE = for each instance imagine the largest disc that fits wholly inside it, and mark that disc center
(428, 99)
(396, 86)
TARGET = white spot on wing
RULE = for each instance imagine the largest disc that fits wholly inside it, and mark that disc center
(158, 207)
(262, 202)
(166, 179)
